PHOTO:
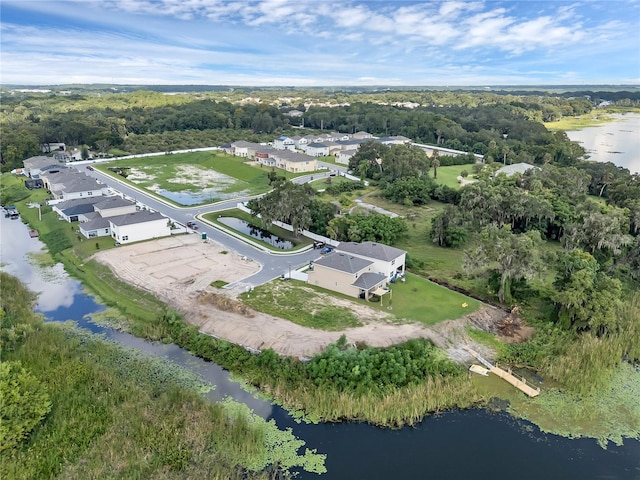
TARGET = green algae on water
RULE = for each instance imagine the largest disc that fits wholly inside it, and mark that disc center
(608, 415)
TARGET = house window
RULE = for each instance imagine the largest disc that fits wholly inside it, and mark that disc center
(80, 193)
(106, 230)
(89, 193)
(393, 262)
(125, 238)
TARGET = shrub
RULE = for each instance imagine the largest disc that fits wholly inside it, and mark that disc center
(24, 403)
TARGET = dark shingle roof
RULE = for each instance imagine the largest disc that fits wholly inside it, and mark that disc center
(114, 202)
(97, 222)
(343, 262)
(369, 280)
(379, 251)
(142, 216)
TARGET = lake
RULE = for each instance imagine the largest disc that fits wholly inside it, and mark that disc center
(617, 141)
(471, 444)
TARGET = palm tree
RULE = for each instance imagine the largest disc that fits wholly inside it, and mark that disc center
(435, 162)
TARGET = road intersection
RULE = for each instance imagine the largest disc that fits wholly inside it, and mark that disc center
(273, 264)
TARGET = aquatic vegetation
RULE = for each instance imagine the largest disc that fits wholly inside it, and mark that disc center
(608, 415)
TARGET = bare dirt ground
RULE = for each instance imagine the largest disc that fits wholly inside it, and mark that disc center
(179, 270)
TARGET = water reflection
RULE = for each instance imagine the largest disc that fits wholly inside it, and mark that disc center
(61, 298)
(617, 142)
(207, 195)
(256, 232)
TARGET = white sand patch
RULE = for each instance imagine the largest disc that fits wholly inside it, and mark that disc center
(137, 175)
(199, 177)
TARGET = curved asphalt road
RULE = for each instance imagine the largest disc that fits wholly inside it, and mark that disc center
(273, 265)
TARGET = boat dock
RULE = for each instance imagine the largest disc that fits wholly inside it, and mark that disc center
(520, 383)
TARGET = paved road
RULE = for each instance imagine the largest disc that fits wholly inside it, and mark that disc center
(273, 265)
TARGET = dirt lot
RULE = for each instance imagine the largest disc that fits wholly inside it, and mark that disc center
(180, 270)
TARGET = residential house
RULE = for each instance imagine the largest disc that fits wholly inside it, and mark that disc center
(284, 143)
(344, 156)
(359, 269)
(96, 223)
(317, 149)
(69, 185)
(294, 162)
(76, 210)
(389, 261)
(138, 226)
(244, 149)
(33, 166)
(347, 274)
(95, 226)
(362, 136)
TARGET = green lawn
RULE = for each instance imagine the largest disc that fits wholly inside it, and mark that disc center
(448, 175)
(418, 299)
(293, 301)
(415, 300)
(194, 172)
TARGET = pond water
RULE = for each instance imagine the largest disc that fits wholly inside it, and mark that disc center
(187, 197)
(256, 232)
(617, 141)
(455, 445)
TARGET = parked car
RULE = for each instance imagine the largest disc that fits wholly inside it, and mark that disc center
(326, 250)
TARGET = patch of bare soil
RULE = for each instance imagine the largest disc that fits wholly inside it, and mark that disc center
(180, 270)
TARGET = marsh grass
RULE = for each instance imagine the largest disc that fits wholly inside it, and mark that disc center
(393, 408)
(119, 414)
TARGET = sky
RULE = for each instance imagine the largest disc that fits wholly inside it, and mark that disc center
(310, 43)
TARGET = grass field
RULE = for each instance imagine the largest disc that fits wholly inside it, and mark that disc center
(415, 300)
(292, 301)
(418, 299)
(448, 175)
(207, 176)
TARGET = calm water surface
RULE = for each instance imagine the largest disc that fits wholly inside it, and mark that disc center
(472, 444)
(616, 142)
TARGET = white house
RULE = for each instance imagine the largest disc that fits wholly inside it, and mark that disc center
(114, 206)
(317, 149)
(138, 226)
(284, 143)
(344, 156)
(95, 226)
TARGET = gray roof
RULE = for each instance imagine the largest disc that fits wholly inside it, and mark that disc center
(509, 170)
(77, 206)
(343, 262)
(82, 185)
(317, 145)
(142, 216)
(78, 201)
(369, 280)
(95, 222)
(379, 251)
(114, 202)
(37, 162)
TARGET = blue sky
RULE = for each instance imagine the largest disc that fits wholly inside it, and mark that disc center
(320, 42)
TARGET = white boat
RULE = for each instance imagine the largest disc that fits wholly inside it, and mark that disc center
(479, 370)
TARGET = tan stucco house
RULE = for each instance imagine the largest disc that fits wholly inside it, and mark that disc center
(359, 270)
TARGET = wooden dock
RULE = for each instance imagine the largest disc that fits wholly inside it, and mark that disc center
(520, 383)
